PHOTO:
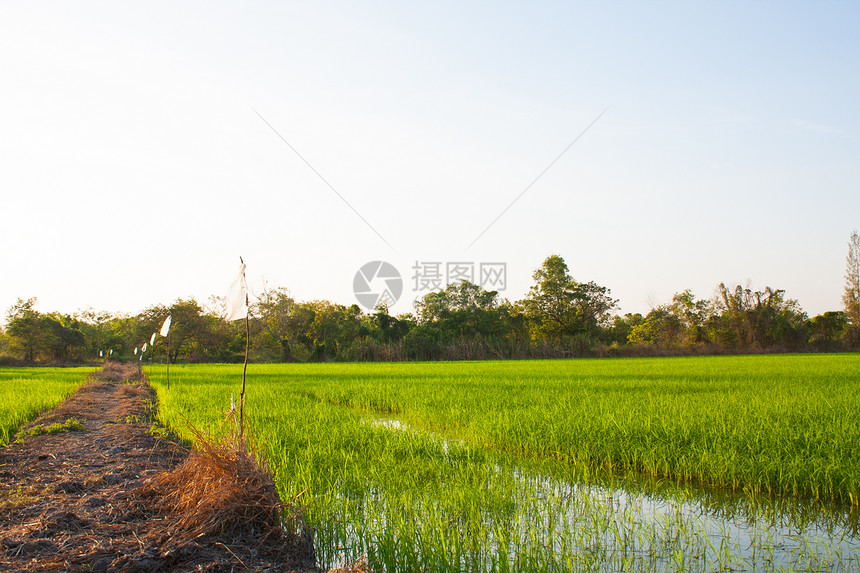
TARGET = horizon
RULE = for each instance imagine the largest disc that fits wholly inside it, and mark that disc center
(206, 303)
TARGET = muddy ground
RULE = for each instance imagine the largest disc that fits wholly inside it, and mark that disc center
(70, 500)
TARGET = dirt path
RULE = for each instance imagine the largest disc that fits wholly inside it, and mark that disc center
(69, 500)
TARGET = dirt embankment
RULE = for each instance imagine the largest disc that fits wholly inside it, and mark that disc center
(83, 500)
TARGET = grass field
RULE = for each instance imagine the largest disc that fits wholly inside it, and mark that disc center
(24, 392)
(518, 465)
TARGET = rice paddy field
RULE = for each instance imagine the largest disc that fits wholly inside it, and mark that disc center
(24, 392)
(744, 463)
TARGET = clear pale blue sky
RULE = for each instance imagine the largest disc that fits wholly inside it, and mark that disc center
(134, 170)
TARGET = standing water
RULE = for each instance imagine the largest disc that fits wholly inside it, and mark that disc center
(493, 513)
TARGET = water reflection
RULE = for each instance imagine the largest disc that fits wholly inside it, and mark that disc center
(553, 519)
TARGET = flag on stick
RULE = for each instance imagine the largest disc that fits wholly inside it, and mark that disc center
(237, 300)
(152, 339)
(165, 331)
(165, 328)
(237, 307)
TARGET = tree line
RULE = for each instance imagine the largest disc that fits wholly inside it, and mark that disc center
(559, 317)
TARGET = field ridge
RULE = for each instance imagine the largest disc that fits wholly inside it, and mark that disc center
(69, 498)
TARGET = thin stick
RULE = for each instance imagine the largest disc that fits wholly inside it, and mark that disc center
(168, 360)
(244, 369)
(231, 553)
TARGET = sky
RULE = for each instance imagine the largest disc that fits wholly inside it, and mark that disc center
(657, 147)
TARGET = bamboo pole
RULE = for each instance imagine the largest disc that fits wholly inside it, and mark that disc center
(168, 359)
(245, 366)
(244, 374)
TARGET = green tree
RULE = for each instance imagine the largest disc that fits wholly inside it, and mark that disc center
(559, 306)
(826, 330)
(756, 319)
(386, 328)
(66, 336)
(692, 314)
(462, 311)
(194, 334)
(679, 324)
(4, 342)
(277, 312)
(515, 326)
(27, 329)
(622, 326)
(661, 327)
(93, 327)
(333, 326)
(123, 332)
(422, 343)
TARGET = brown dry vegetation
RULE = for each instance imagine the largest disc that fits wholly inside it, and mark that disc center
(220, 491)
(115, 497)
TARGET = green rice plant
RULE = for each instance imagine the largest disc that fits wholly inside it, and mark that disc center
(516, 466)
(24, 392)
(774, 425)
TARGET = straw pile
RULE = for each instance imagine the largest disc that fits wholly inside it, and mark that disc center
(117, 372)
(222, 492)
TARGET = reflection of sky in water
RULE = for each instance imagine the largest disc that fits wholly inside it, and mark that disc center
(649, 522)
(724, 539)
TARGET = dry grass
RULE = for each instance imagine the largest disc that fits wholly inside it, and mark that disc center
(222, 491)
(117, 372)
(217, 490)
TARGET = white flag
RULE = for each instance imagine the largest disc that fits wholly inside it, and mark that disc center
(135, 350)
(111, 351)
(101, 354)
(237, 300)
(144, 347)
(152, 339)
(165, 328)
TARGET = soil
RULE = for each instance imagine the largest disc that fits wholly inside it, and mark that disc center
(69, 501)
